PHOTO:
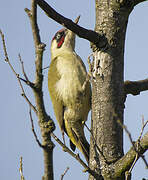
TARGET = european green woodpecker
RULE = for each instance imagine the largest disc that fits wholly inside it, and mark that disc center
(69, 91)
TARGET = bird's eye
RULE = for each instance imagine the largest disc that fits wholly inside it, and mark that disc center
(58, 36)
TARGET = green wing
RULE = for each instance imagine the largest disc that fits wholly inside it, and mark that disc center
(53, 78)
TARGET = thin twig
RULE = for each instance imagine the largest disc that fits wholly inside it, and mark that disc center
(62, 175)
(6, 54)
(32, 125)
(132, 142)
(142, 129)
(45, 67)
(131, 168)
(128, 133)
(141, 133)
(17, 75)
(66, 149)
(125, 162)
(4, 46)
(21, 168)
(94, 142)
(23, 70)
(128, 173)
(25, 75)
(77, 19)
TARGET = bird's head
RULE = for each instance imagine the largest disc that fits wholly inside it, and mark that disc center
(64, 40)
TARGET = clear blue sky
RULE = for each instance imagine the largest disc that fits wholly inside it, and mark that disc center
(15, 131)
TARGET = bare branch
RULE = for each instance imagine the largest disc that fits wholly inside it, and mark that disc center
(76, 156)
(142, 129)
(33, 19)
(125, 163)
(141, 133)
(66, 149)
(66, 170)
(32, 125)
(39, 49)
(135, 87)
(6, 54)
(90, 35)
(23, 70)
(29, 102)
(136, 148)
(26, 80)
(45, 122)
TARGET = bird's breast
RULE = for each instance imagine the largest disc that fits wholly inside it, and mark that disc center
(70, 83)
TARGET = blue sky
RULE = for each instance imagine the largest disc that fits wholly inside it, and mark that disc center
(15, 131)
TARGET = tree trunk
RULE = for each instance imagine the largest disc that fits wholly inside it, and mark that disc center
(107, 87)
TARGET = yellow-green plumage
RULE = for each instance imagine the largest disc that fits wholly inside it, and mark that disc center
(70, 98)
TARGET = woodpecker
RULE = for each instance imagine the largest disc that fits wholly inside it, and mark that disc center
(69, 91)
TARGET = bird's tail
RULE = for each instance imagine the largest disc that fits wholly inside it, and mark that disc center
(84, 148)
(77, 139)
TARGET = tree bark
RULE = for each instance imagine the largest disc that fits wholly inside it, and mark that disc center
(108, 87)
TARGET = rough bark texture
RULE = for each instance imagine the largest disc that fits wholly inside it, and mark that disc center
(108, 89)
